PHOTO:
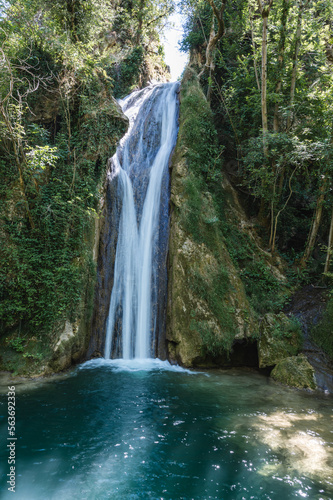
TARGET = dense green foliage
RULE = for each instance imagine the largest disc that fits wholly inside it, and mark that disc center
(60, 65)
(263, 289)
(283, 167)
(284, 178)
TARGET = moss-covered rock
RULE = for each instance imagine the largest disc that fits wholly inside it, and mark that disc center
(103, 125)
(69, 345)
(280, 337)
(295, 371)
(196, 330)
(207, 305)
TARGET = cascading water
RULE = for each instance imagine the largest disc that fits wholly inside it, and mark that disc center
(140, 167)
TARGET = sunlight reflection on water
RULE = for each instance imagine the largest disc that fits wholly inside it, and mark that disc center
(129, 430)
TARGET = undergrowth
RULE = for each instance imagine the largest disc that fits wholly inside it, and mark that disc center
(213, 288)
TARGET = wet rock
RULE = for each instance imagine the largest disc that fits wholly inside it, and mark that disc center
(295, 371)
(308, 305)
(70, 344)
(107, 237)
(136, 156)
(73, 340)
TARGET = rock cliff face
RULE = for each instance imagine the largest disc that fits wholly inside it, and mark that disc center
(186, 340)
(222, 283)
(106, 238)
(201, 330)
(76, 337)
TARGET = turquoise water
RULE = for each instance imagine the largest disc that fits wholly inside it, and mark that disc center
(109, 430)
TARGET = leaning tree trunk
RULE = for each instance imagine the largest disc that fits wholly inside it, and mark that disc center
(315, 224)
(295, 61)
(329, 247)
(213, 37)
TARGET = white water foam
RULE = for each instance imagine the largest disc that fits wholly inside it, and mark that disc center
(135, 365)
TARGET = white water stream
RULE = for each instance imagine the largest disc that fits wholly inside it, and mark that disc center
(139, 166)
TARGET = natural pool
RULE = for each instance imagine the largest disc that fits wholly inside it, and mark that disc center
(111, 430)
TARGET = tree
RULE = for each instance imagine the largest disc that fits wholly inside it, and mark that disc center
(315, 222)
(217, 13)
(302, 5)
(281, 55)
(264, 11)
(17, 82)
(329, 246)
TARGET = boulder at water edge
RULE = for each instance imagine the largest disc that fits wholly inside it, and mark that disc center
(295, 371)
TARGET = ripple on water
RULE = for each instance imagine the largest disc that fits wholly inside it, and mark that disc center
(114, 431)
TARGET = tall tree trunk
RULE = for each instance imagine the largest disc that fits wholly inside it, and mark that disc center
(303, 4)
(329, 246)
(281, 49)
(264, 11)
(140, 22)
(315, 224)
(254, 53)
(276, 123)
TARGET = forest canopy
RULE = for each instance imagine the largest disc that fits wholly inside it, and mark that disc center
(269, 80)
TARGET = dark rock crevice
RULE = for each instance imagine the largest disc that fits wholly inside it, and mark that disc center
(308, 305)
(105, 269)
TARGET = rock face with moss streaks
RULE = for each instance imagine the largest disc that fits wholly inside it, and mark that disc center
(207, 307)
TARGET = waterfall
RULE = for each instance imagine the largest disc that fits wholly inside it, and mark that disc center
(140, 168)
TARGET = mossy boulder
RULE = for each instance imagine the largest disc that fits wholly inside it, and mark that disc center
(295, 371)
(280, 337)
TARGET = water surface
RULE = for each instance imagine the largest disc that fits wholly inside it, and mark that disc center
(137, 430)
